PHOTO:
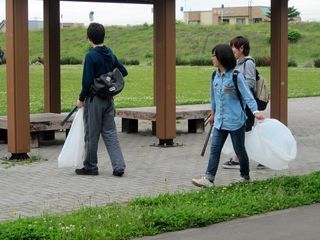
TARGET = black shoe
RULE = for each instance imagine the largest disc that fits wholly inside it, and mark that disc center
(118, 173)
(83, 171)
(260, 166)
(231, 164)
(245, 177)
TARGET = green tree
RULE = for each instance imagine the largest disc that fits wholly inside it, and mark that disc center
(292, 13)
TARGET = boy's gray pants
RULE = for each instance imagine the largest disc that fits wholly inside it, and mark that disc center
(98, 118)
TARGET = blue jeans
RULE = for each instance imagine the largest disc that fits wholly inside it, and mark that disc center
(217, 141)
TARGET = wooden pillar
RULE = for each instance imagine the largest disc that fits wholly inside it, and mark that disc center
(165, 69)
(279, 60)
(52, 81)
(17, 76)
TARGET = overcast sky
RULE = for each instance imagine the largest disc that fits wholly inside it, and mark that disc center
(122, 14)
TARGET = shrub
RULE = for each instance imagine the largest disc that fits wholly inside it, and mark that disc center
(200, 62)
(70, 61)
(148, 55)
(292, 63)
(129, 62)
(180, 61)
(294, 35)
(317, 63)
(263, 61)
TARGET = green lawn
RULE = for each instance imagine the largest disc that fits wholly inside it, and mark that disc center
(192, 85)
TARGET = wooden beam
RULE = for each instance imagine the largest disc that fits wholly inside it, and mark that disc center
(17, 76)
(52, 79)
(279, 60)
(117, 1)
(165, 68)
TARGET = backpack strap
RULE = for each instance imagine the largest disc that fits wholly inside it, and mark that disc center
(235, 82)
(244, 67)
(213, 74)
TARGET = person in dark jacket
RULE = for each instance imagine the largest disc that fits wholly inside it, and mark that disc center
(1, 56)
(99, 113)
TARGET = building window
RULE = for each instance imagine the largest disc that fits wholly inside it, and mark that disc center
(240, 20)
(257, 20)
(195, 22)
(224, 21)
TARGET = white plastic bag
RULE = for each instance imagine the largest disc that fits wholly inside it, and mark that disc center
(269, 143)
(272, 144)
(72, 153)
(227, 148)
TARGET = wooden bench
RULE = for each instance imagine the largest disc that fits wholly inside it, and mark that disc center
(42, 126)
(195, 114)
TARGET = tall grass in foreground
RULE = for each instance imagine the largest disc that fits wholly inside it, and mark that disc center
(169, 212)
(192, 86)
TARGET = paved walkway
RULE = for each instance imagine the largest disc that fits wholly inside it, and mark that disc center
(33, 189)
(291, 224)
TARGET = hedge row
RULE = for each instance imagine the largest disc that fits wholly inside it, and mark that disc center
(260, 62)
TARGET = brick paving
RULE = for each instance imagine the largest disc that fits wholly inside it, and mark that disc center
(41, 187)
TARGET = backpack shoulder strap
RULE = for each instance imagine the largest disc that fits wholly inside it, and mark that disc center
(244, 67)
(213, 74)
(235, 82)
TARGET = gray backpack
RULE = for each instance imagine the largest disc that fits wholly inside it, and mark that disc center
(108, 84)
(261, 95)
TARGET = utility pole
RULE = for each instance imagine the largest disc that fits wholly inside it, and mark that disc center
(250, 11)
(222, 7)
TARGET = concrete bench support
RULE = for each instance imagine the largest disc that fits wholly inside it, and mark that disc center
(195, 114)
(42, 127)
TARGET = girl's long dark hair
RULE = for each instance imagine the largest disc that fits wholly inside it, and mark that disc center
(225, 56)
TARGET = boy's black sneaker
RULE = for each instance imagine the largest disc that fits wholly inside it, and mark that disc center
(83, 171)
(260, 166)
(118, 173)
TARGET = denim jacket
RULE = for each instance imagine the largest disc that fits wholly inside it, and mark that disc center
(226, 104)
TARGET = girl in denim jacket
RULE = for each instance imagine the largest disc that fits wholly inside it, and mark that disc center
(227, 115)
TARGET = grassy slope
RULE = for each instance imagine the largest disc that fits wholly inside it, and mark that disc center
(135, 42)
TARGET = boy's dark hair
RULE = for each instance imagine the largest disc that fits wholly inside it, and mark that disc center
(225, 56)
(96, 33)
(239, 42)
